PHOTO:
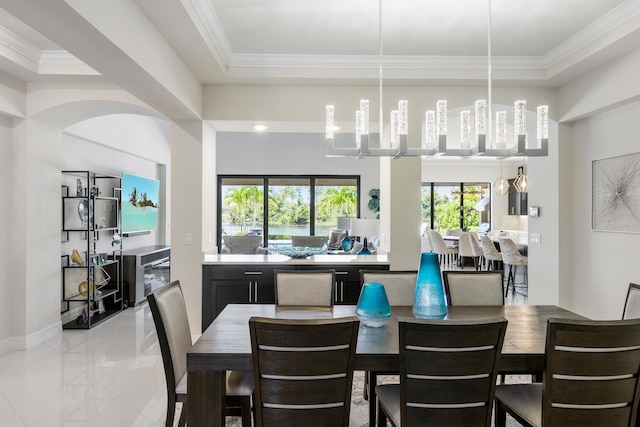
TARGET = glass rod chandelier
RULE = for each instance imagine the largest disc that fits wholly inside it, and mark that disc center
(480, 141)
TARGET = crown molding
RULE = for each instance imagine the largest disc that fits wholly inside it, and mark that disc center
(205, 18)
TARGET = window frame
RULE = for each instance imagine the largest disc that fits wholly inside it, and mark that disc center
(461, 188)
(265, 187)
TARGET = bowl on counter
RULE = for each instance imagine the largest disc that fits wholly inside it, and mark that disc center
(297, 252)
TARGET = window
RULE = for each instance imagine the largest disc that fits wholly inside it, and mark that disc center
(448, 206)
(294, 205)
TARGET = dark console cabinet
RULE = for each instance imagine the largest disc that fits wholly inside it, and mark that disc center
(144, 270)
(224, 284)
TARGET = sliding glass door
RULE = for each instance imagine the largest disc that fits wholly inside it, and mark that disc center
(278, 207)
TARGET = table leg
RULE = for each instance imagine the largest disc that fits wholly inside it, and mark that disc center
(204, 389)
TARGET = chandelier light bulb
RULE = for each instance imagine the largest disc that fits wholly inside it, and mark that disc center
(403, 117)
(543, 122)
(465, 129)
(364, 116)
(329, 111)
(520, 118)
(395, 128)
(441, 117)
(481, 117)
(430, 129)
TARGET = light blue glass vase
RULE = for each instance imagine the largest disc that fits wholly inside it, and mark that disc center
(373, 307)
(429, 302)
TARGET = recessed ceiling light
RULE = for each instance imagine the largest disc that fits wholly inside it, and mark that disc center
(337, 128)
(260, 128)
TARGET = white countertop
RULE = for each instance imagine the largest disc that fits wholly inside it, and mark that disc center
(280, 259)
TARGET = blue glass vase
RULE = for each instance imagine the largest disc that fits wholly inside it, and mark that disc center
(346, 242)
(373, 307)
(365, 248)
(429, 302)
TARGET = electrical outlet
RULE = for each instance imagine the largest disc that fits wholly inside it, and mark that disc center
(188, 239)
(535, 239)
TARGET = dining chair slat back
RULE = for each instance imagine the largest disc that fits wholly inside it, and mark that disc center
(311, 288)
(473, 287)
(448, 372)
(303, 370)
(591, 377)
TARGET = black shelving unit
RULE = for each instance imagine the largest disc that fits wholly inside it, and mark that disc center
(91, 247)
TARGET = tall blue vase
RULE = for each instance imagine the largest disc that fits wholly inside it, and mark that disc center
(429, 302)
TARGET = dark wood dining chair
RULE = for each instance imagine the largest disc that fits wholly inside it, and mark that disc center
(473, 287)
(447, 373)
(174, 336)
(590, 377)
(308, 288)
(632, 302)
(303, 370)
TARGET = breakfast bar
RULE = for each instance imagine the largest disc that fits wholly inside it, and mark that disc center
(249, 279)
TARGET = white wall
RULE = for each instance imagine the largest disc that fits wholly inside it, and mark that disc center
(603, 262)
(82, 154)
(291, 154)
(6, 246)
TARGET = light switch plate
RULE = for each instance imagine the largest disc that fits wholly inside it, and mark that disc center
(534, 211)
(535, 239)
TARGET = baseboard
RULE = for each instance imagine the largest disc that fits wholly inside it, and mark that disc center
(31, 340)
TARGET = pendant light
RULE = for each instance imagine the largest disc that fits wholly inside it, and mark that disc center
(522, 181)
(501, 185)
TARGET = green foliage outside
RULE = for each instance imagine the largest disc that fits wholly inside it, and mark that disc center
(447, 210)
(288, 206)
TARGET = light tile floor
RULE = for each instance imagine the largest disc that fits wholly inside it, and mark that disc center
(111, 375)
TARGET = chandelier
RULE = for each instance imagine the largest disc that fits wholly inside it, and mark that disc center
(480, 141)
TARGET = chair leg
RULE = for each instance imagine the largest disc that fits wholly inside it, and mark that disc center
(382, 417)
(373, 381)
(245, 408)
(500, 415)
(183, 416)
(171, 412)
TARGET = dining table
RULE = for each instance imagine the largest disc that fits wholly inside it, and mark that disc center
(225, 345)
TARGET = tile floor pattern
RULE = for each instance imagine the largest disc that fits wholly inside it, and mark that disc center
(111, 375)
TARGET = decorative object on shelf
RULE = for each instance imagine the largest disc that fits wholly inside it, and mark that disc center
(501, 185)
(102, 277)
(522, 181)
(84, 212)
(615, 197)
(85, 288)
(364, 228)
(79, 188)
(298, 252)
(344, 223)
(434, 142)
(76, 258)
(116, 239)
(374, 203)
(346, 243)
(373, 307)
(429, 301)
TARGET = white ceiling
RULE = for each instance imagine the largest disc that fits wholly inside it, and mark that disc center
(542, 42)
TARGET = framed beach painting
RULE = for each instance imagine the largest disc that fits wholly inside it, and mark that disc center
(616, 194)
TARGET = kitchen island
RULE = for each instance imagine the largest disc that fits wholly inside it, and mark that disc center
(249, 279)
